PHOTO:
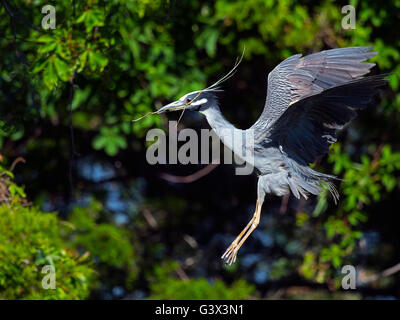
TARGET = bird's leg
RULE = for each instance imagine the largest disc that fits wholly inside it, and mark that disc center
(236, 241)
(230, 254)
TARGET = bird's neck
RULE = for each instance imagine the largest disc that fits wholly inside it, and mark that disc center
(241, 142)
(216, 120)
(222, 127)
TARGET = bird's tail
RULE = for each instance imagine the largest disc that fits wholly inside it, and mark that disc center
(304, 181)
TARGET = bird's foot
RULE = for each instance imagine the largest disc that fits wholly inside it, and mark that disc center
(231, 253)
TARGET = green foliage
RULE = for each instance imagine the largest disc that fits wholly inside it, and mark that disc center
(164, 286)
(109, 140)
(29, 240)
(365, 182)
(10, 192)
(105, 241)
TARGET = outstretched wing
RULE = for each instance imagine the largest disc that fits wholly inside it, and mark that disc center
(299, 77)
(307, 129)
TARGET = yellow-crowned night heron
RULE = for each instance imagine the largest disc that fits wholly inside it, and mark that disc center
(308, 98)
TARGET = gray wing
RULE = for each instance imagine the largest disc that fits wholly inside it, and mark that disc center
(300, 77)
(307, 129)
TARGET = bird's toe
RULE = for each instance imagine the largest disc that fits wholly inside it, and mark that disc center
(230, 254)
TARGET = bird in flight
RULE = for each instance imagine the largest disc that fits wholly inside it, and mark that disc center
(308, 99)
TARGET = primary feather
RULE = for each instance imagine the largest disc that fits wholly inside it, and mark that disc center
(299, 77)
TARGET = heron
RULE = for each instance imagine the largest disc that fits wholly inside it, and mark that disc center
(308, 99)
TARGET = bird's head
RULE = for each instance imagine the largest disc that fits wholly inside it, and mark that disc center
(199, 100)
(192, 101)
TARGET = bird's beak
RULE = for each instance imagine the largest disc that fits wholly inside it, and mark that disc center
(173, 106)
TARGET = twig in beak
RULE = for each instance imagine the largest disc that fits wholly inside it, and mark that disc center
(172, 108)
(147, 114)
(187, 104)
(180, 117)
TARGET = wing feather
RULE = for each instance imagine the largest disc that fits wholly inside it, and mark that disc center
(307, 129)
(298, 77)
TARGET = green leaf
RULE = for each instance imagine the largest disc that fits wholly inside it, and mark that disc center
(80, 97)
(50, 78)
(109, 140)
(62, 69)
(97, 61)
(208, 39)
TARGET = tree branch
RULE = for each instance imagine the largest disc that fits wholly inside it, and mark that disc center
(190, 178)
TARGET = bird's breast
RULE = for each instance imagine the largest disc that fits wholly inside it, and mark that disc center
(268, 160)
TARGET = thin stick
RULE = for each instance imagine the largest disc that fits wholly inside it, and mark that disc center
(180, 117)
(385, 273)
(190, 178)
(172, 108)
(187, 104)
(147, 114)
